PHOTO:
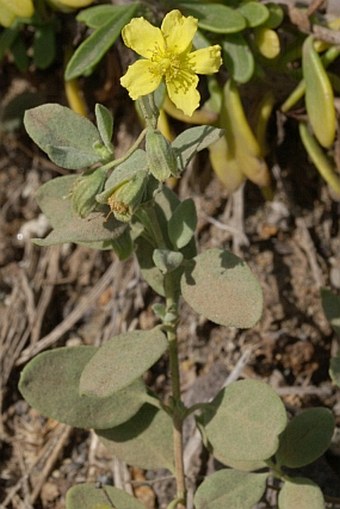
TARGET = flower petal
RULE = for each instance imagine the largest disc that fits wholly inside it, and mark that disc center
(185, 98)
(140, 79)
(206, 60)
(6, 16)
(143, 37)
(178, 31)
(20, 8)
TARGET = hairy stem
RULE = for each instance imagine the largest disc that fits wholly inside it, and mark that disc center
(170, 323)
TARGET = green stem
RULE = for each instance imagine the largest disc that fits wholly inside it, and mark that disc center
(148, 217)
(132, 149)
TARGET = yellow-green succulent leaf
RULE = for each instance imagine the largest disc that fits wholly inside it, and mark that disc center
(319, 95)
(234, 120)
(267, 41)
(319, 158)
(264, 111)
(225, 167)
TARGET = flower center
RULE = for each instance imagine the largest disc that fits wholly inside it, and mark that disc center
(175, 68)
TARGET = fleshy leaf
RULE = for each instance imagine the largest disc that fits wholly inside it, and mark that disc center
(67, 137)
(193, 140)
(319, 95)
(215, 17)
(54, 200)
(255, 13)
(91, 496)
(221, 287)
(50, 384)
(331, 306)
(144, 441)
(302, 493)
(230, 488)
(95, 17)
(306, 437)
(121, 360)
(182, 224)
(238, 57)
(92, 50)
(249, 417)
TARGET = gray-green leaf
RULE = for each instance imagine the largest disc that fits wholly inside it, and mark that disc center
(194, 140)
(118, 362)
(67, 137)
(230, 489)
(221, 287)
(104, 121)
(90, 496)
(50, 384)
(182, 224)
(302, 493)
(144, 441)
(306, 437)
(249, 417)
(55, 201)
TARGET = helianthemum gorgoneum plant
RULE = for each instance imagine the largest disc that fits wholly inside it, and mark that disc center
(167, 55)
(125, 205)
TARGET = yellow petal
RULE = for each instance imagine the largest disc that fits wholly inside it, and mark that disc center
(140, 79)
(76, 4)
(206, 60)
(185, 98)
(178, 31)
(143, 37)
(6, 16)
(19, 8)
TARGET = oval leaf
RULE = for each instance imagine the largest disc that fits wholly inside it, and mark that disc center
(302, 493)
(118, 362)
(221, 287)
(50, 384)
(248, 418)
(144, 441)
(255, 13)
(319, 95)
(238, 57)
(54, 200)
(230, 488)
(91, 496)
(67, 137)
(215, 17)
(306, 437)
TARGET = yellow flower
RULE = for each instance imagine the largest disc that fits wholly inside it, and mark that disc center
(167, 55)
(11, 9)
(68, 5)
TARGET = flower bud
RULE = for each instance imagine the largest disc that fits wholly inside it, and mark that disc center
(85, 190)
(127, 196)
(160, 155)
